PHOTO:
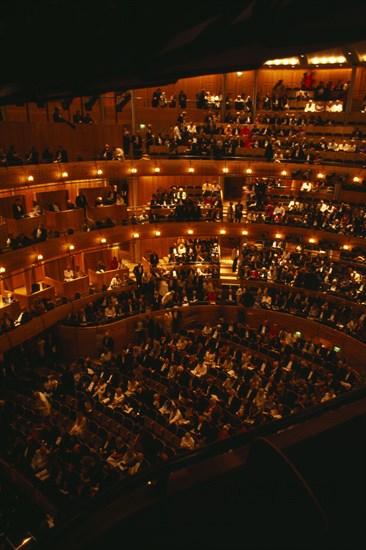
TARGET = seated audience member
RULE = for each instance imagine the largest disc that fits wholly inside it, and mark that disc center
(68, 274)
(12, 157)
(100, 268)
(78, 273)
(61, 155)
(32, 157)
(54, 207)
(79, 426)
(39, 233)
(187, 441)
(106, 153)
(42, 404)
(116, 282)
(118, 154)
(47, 156)
(36, 209)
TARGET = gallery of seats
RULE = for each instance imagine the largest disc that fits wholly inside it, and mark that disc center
(183, 308)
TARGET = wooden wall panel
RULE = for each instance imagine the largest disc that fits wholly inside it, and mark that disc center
(359, 91)
(46, 198)
(6, 204)
(292, 77)
(242, 85)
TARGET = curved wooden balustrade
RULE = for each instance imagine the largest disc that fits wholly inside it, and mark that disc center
(82, 341)
(83, 241)
(50, 175)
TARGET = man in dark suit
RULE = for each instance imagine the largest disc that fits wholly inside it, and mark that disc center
(107, 342)
(80, 201)
(61, 155)
(233, 402)
(138, 271)
(154, 259)
(24, 317)
(39, 233)
(18, 209)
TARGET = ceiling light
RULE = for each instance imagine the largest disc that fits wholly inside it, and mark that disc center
(99, 172)
(156, 169)
(191, 169)
(157, 233)
(30, 178)
(65, 174)
(136, 235)
(103, 241)
(71, 247)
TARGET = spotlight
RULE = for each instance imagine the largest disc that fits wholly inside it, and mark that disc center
(190, 231)
(91, 102)
(99, 172)
(156, 169)
(2, 270)
(65, 103)
(244, 232)
(157, 233)
(249, 170)
(39, 258)
(222, 231)
(65, 174)
(30, 178)
(71, 247)
(136, 235)
(133, 170)
(126, 97)
(191, 169)
(103, 241)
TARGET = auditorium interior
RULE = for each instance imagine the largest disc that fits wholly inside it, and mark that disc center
(183, 276)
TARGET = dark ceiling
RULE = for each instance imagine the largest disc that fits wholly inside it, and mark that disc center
(59, 49)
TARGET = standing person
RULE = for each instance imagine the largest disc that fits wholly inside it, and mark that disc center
(124, 191)
(182, 99)
(234, 257)
(238, 212)
(138, 271)
(80, 201)
(154, 259)
(230, 212)
(18, 209)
